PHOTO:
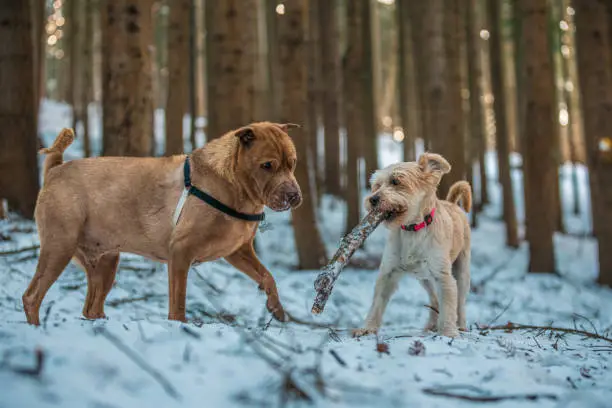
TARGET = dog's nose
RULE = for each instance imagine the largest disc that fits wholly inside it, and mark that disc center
(294, 198)
(374, 200)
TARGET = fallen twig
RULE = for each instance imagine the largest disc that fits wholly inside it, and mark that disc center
(337, 358)
(509, 327)
(487, 398)
(32, 371)
(139, 361)
(117, 302)
(19, 250)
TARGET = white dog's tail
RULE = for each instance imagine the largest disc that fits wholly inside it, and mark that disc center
(55, 153)
(461, 191)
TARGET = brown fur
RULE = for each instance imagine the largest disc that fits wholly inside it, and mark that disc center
(437, 255)
(93, 209)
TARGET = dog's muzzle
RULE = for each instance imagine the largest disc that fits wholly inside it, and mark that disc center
(285, 197)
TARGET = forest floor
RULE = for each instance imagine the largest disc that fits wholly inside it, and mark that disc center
(230, 354)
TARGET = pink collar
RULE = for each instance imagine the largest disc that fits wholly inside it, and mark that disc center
(420, 225)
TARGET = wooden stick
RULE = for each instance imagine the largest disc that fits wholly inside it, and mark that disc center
(517, 326)
(324, 283)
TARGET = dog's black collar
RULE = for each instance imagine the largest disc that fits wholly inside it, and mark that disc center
(213, 202)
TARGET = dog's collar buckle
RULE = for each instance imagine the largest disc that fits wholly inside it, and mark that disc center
(416, 227)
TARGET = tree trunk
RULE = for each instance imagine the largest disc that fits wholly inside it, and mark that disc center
(86, 72)
(452, 144)
(354, 103)
(313, 96)
(231, 50)
(403, 45)
(332, 91)
(293, 63)
(477, 135)
(419, 37)
(193, 67)
(18, 144)
(273, 68)
(540, 156)
(127, 92)
(445, 133)
(594, 65)
(501, 124)
(370, 147)
(178, 71)
(74, 28)
(38, 12)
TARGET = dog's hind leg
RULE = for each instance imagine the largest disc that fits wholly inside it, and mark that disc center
(100, 277)
(51, 263)
(461, 271)
(432, 322)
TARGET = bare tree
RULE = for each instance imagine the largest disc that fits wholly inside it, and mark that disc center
(594, 67)
(127, 93)
(178, 70)
(293, 58)
(332, 91)
(18, 144)
(231, 51)
(501, 124)
(539, 133)
(354, 65)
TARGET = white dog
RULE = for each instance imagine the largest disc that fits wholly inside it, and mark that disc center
(428, 239)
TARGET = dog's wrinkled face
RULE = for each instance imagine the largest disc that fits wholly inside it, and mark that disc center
(401, 190)
(267, 158)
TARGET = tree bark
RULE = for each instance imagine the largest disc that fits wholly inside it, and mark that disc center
(231, 50)
(419, 37)
(453, 142)
(178, 74)
(354, 105)
(18, 145)
(127, 88)
(501, 124)
(594, 67)
(404, 76)
(443, 128)
(86, 72)
(540, 156)
(477, 130)
(313, 96)
(293, 58)
(370, 150)
(332, 92)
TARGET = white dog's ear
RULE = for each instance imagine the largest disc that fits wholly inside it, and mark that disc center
(430, 162)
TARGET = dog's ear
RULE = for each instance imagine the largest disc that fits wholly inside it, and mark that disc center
(286, 126)
(431, 162)
(246, 135)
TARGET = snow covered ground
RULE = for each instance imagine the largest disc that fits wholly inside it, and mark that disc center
(231, 355)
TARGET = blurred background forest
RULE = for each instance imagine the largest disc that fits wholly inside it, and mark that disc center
(527, 82)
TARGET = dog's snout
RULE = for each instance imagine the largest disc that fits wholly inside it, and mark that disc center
(374, 200)
(294, 198)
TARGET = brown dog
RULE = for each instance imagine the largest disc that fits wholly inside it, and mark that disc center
(93, 209)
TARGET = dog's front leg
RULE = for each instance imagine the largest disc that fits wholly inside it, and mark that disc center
(178, 269)
(447, 290)
(246, 261)
(386, 285)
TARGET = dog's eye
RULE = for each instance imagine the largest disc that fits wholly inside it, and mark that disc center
(267, 166)
(394, 182)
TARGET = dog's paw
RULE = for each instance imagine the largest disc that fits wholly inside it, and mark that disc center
(448, 331)
(357, 333)
(277, 310)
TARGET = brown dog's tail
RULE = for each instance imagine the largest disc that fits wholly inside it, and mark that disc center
(55, 153)
(461, 190)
